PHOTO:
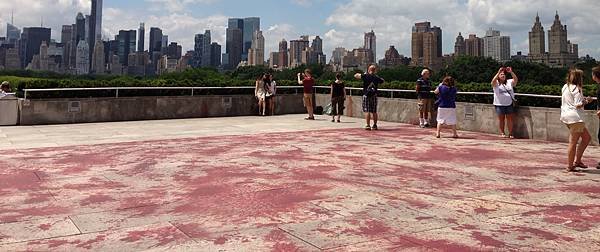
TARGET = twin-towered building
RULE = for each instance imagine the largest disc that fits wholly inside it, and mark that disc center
(561, 52)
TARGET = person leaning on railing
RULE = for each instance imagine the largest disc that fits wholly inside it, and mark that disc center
(572, 114)
(504, 97)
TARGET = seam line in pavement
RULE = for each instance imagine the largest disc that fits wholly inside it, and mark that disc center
(305, 241)
(75, 224)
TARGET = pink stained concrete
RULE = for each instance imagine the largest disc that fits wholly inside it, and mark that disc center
(342, 190)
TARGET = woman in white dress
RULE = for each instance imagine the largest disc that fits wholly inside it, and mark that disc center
(572, 114)
(260, 92)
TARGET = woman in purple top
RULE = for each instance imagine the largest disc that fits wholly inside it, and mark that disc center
(446, 115)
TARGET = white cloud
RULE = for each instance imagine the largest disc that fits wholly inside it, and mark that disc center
(305, 3)
(175, 5)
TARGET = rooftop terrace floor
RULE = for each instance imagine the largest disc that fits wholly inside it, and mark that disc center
(285, 184)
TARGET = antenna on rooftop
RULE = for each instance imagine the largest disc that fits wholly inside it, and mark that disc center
(12, 17)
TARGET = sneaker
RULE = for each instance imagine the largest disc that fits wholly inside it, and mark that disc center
(426, 125)
(367, 127)
(598, 166)
(375, 127)
(421, 126)
(339, 121)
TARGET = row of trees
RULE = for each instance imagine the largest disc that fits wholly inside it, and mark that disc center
(472, 72)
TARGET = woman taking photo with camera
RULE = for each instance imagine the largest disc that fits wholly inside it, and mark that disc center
(504, 97)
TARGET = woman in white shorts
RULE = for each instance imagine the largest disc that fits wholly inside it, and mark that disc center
(572, 114)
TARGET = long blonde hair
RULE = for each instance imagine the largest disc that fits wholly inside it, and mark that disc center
(575, 77)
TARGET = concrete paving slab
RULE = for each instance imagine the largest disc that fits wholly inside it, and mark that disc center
(283, 183)
(26, 231)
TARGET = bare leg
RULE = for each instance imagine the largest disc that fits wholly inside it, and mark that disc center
(272, 105)
(368, 119)
(375, 118)
(309, 107)
(501, 124)
(586, 138)
(439, 130)
(509, 121)
(454, 131)
(574, 138)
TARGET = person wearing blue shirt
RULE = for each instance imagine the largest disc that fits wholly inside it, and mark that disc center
(446, 115)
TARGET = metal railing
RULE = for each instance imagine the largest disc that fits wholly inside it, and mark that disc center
(392, 91)
(116, 89)
(192, 89)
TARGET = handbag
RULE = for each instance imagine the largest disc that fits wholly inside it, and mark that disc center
(515, 102)
(328, 109)
(371, 90)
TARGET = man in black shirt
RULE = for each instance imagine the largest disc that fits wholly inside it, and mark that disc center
(370, 84)
(424, 98)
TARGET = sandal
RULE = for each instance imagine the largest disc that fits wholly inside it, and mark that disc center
(571, 169)
(581, 165)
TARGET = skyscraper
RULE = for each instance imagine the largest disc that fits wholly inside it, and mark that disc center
(495, 46)
(80, 28)
(94, 25)
(426, 45)
(283, 54)
(460, 48)
(296, 49)
(215, 54)
(234, 47)
(256, 54)
(83, 58)
(31, 40)
(337, 55)
(66, 34)
(474, 46)
(206, 49)
(13, 34)
(198, 50)
(561, 52)
(174, 51)
(249, 29)
(537, 39)
(126, 45)
(141, 37)
(164, 43)
(98, 59)
(317, 45)
(371, 43)
(156, 36)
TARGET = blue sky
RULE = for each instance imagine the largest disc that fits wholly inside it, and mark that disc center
(339, 22)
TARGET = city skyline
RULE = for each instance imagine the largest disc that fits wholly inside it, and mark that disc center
(337, 22)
